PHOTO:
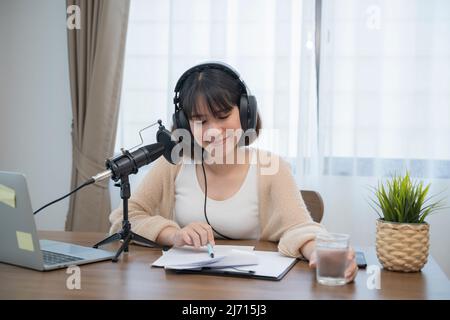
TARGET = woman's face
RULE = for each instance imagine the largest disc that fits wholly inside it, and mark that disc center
(220, 133)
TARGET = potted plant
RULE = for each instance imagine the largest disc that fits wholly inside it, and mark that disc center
(402, 236)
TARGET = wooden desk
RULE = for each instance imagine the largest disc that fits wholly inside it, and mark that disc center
(133, 278)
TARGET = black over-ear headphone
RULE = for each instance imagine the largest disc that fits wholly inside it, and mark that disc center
(247, 105)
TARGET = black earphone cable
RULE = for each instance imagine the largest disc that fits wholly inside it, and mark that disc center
(204, 207)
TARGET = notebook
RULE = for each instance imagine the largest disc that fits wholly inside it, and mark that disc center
(228, 260)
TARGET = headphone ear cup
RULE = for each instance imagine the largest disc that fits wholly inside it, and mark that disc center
(175, 121)
(182, 121)
(252, 112)
(243, 112)
(248, 113)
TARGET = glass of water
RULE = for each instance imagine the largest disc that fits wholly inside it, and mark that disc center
(332, 250)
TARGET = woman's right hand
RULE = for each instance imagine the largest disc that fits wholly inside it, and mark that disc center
(195, 234)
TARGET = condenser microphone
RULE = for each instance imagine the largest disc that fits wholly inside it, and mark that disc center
(129, 163)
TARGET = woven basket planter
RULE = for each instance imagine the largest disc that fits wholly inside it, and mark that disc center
(402, 246)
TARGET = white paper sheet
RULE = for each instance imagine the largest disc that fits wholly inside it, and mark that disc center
(224, 255)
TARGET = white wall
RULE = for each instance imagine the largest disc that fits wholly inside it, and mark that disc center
(35, 110)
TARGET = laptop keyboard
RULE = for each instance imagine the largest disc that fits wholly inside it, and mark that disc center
(51, 258)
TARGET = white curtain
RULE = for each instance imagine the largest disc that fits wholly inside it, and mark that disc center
(385, 88)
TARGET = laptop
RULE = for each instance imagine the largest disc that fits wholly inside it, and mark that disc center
(19, 242)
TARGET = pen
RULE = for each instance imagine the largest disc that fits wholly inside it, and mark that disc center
(210, 250)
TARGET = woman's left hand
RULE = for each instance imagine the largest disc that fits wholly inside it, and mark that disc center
(352, 268)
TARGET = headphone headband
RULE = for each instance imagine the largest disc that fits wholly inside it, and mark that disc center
(218, 65)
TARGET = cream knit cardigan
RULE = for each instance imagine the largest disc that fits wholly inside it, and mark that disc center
(283, 215)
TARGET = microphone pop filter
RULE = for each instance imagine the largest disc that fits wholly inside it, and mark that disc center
(166, 138)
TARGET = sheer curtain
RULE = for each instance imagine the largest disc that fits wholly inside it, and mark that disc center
(384, 90)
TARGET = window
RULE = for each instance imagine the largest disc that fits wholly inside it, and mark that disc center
(384, 87)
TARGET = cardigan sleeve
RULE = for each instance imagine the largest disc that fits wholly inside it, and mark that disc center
(144, 206)
(295, 226)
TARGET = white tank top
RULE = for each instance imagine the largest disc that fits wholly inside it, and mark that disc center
(236, 217)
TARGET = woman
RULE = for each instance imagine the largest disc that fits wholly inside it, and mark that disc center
(233, 191)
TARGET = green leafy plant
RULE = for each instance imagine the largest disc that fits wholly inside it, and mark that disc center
(403, 200)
